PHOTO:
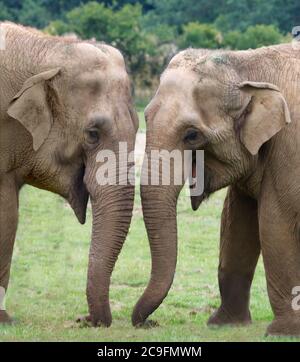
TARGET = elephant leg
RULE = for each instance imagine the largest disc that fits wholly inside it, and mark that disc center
(280, 244)
(239, 252)
(8, 227)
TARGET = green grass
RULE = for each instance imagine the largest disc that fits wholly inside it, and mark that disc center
(142, 125)
(47, 288)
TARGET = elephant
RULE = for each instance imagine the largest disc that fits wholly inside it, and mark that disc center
(62, 101)
(242, 109)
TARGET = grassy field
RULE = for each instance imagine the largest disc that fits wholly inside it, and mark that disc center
(47, 289)
(142, 126)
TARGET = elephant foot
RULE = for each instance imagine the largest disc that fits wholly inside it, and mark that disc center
(148, 324)
(5, 318)
(221, 317)
(289, 326)
(88, 322)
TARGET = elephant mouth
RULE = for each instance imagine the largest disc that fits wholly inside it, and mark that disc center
(78, 197)
(196, 201)
(194, 171)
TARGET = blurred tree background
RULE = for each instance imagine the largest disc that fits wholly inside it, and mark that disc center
(149, 32)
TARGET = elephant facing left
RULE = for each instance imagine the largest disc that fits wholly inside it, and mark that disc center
(61, 102)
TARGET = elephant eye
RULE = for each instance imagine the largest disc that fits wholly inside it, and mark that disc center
(92, 136)
(191, 135)
(194, 137)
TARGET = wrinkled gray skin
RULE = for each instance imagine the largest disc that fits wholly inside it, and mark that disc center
(241, 108)
(62, 101)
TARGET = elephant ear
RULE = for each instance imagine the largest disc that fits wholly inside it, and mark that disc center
(266, 114)
(30, 107)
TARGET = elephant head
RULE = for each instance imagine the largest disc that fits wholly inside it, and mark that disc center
(202, 103)
(76, 105)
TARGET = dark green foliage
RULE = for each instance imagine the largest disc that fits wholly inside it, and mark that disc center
(38, 13)
(253, 37)
(228, 15)
(119, 27)
(4, 12)
(200, 36)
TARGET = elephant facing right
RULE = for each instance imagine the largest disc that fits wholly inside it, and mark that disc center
(243, 109)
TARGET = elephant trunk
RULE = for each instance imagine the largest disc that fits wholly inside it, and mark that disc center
(112, 212)
(159, 209)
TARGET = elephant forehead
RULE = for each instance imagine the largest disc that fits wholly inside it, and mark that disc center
(204, 63)
(100, 54)
(185, 87)
(179, 80)
(88, 55)
(189, 58)
(210, 88)
(90, 50)
(114, 54)
(108, 77)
